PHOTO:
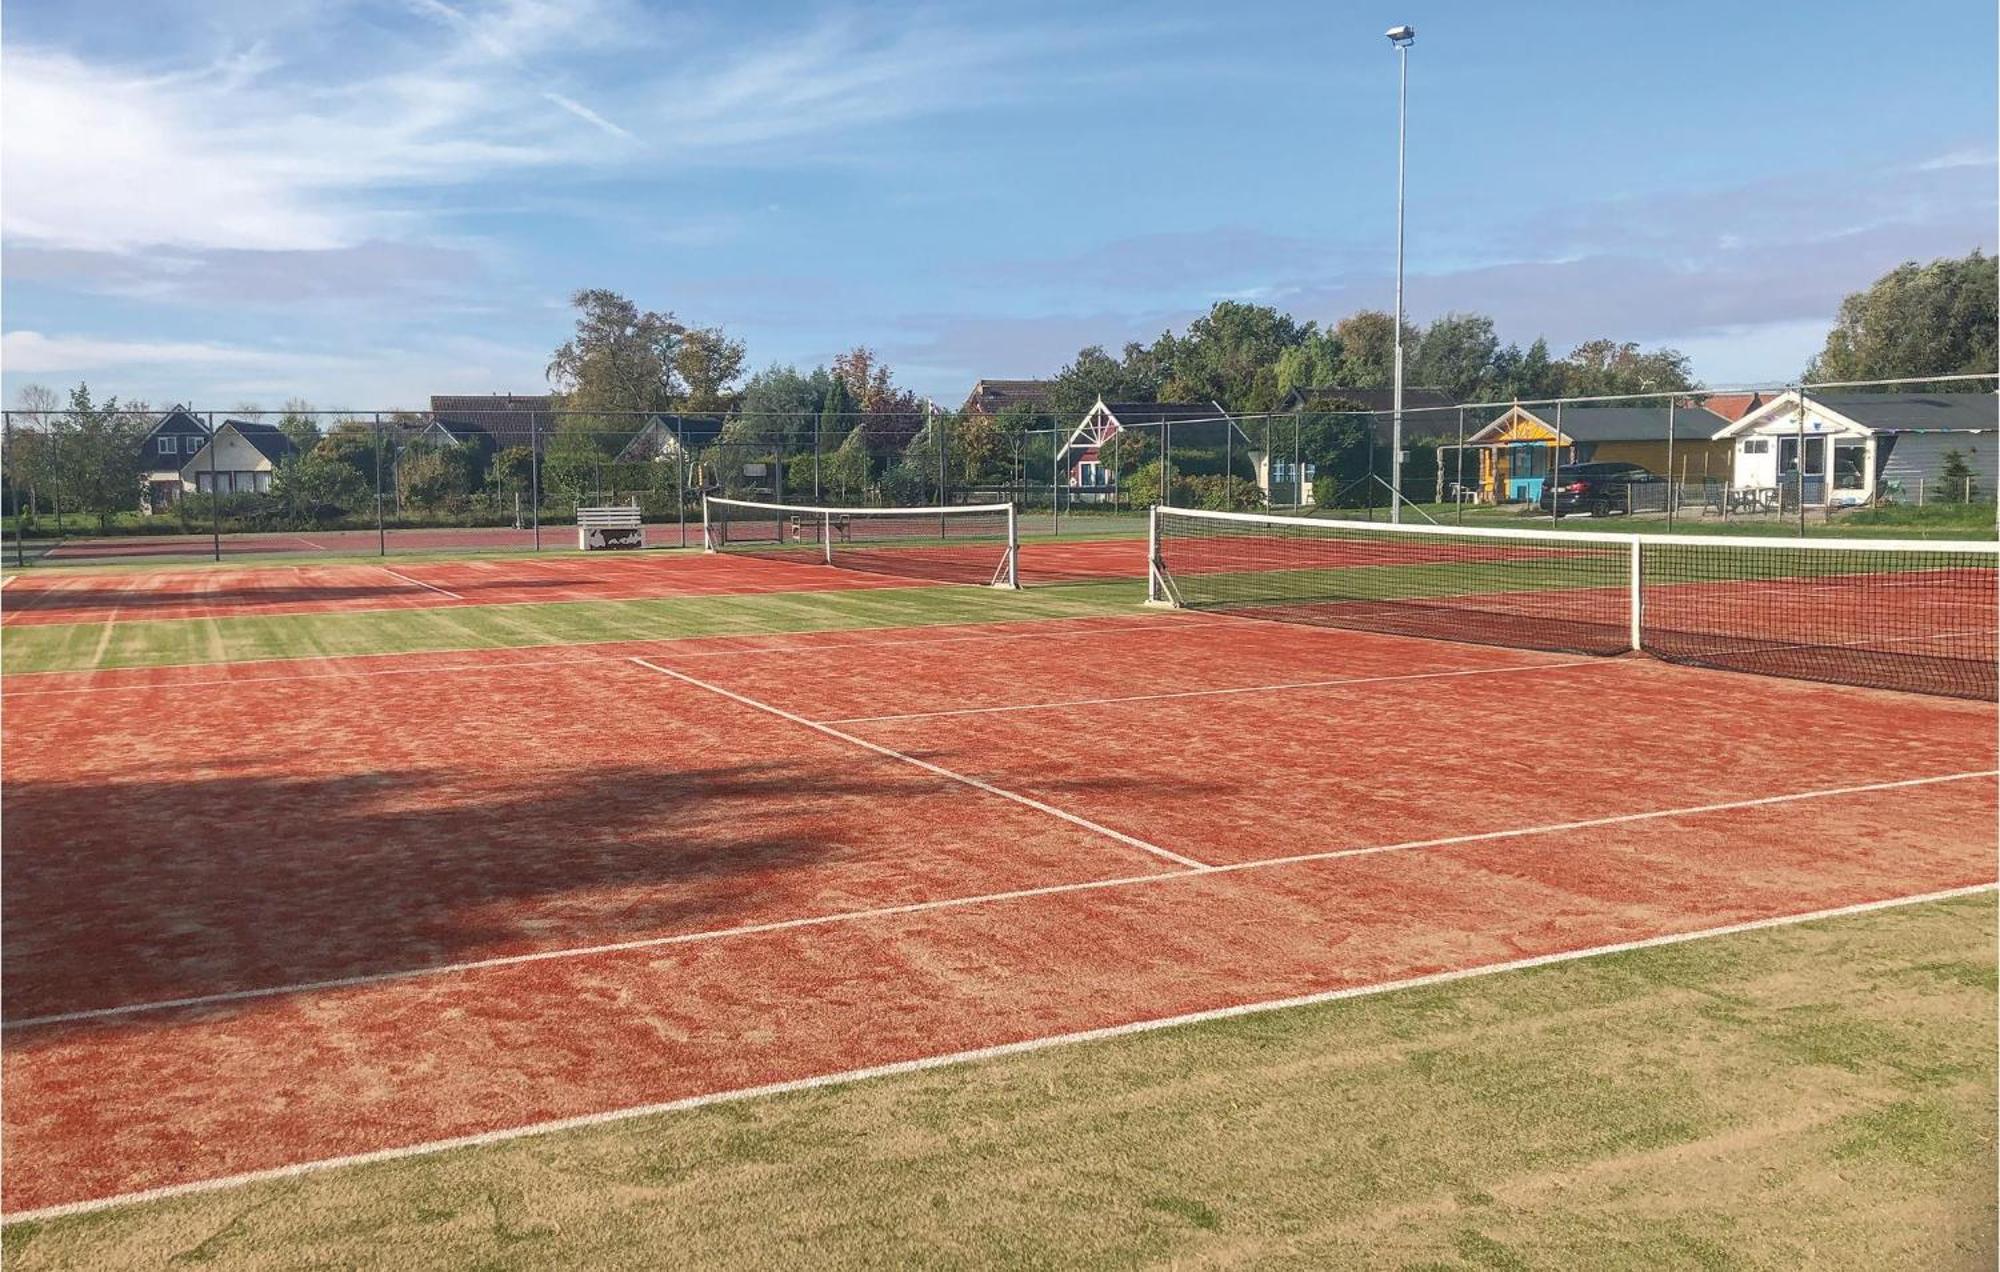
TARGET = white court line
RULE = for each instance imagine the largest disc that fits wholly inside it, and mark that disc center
(395, 574)
(309, 543)
(1214, 693)
(893, 754)
(1125, 623)
(919, 1064)
(944, 903)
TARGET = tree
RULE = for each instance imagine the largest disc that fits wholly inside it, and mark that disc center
(1960, 484)
(1604, 367)
(313, 486)
(352, 443)
(1456, 353)
(848, 469)
(620, 360)
(30, 449)
(787, 405)
(1230, 355)
(1368, 350)
(1917, 320)
(1094, 373)
(708, 363)
(298, 423)
(99, 461)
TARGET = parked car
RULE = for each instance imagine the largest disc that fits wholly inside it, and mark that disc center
(1599, 489)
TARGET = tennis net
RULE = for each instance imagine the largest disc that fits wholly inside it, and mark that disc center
(976, 543)
(1890, 614)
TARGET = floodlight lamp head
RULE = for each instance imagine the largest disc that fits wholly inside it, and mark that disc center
(1402, 36)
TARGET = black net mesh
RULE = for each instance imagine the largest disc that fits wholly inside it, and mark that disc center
(952, 545)
(1918, 617)
(1539, 592)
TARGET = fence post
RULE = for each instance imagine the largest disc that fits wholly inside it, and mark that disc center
(680, 479)
(13, 466)
(1670, 465)
(1801, 461)
(535, 475)
(381, 531)
(214, 497)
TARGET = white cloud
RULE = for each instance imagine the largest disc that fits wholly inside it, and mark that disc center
(33, 353)
(102, 160)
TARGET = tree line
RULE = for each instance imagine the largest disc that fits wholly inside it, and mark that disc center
(847, 430)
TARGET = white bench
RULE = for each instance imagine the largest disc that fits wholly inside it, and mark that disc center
(601, 529)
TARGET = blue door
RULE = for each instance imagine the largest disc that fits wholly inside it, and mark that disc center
(1527, 462)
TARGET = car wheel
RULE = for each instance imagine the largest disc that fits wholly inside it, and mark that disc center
(1600, 507)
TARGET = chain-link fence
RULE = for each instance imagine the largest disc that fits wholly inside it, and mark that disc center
(510, 473)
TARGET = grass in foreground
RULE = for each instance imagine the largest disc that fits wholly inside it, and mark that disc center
(165, 642)
(1818, 1095)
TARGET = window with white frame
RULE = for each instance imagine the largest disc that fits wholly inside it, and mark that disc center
(167, 445)
(1756, 446)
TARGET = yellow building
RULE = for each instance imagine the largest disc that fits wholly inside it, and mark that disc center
(1509, 459)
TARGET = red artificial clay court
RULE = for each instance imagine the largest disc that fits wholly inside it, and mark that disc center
(53, 596)
(368, 905)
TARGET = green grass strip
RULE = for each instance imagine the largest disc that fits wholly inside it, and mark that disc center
(166, 642)
(1786, 1098)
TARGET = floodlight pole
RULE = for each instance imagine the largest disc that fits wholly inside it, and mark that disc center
(1401, 37)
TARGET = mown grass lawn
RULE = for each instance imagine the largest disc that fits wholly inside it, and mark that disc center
(165, 642)
(1819, 1095)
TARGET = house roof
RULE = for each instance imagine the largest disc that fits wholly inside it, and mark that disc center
(1917, 412)
(269, 439)
(181, 419)
(508, 419)
(990, 397)
(1733, 406)
(1624, 423)
(1132, 414)
(694, 432)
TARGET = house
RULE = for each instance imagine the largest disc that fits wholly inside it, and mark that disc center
(178, 435)
(239, 459)
(667, 437)
(1861, 447)
(1083, 457)
(1518, 451)
(496, 420)
(991, 397)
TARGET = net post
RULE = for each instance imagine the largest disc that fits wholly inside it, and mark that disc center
(707, 535)
(826, 537)
(1156, 591)
(1637, 585)
(1013, 548)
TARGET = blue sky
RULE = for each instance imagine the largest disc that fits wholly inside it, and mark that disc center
(367, 202)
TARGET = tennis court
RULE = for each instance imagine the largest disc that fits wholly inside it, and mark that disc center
(54, 597)
(442, 896)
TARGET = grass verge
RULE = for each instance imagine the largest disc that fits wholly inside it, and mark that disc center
(165, 642)
(1819, 1095)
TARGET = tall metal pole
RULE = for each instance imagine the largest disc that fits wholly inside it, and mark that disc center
(1055, 496)
(535, 475)
(1401, 36)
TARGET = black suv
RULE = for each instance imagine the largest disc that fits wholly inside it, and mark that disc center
(1598, 489)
